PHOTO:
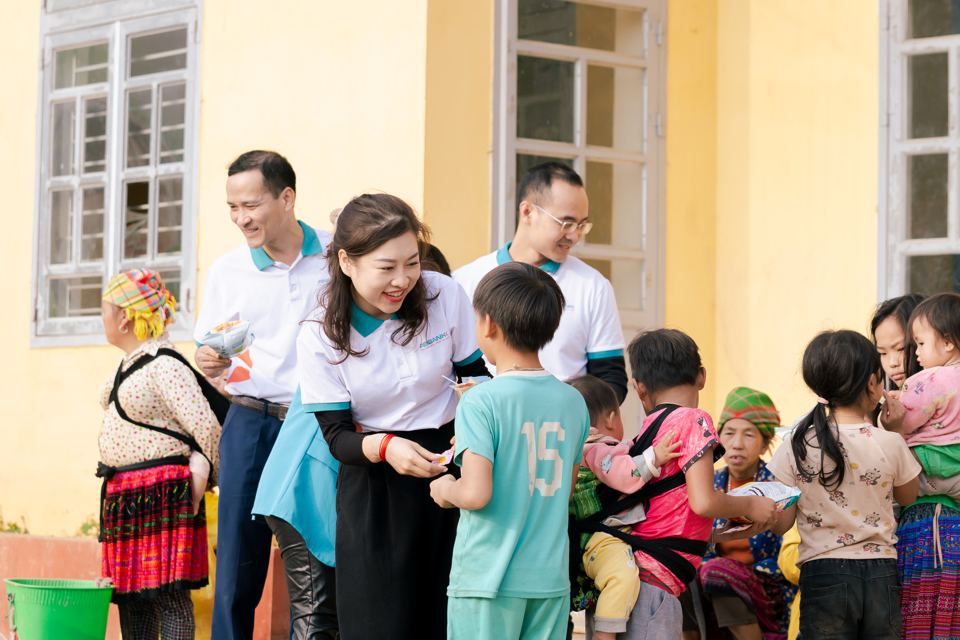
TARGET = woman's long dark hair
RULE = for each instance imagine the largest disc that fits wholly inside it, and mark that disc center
(837, 366)
(366, 223)
(900, 308)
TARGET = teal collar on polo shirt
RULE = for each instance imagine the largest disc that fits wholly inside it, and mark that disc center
(503, 257)
(311, 247)
(363, 322)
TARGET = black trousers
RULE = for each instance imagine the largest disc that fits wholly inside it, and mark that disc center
(394, 549)
(169, 616)
(311, 586)
(850, 600)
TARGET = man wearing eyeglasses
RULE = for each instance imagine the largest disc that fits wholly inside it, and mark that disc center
(552, 216)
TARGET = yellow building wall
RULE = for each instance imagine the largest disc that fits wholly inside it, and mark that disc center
(51, 414)
(797, 159)
(771, 182)
(339, 88)
(459, 127)
(691, 206)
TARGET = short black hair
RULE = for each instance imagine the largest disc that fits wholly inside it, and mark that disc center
(524, 301)
(541, 177)
(942, 312)
(434, 260)
(277, 172)
(600, 397)
(663, 359)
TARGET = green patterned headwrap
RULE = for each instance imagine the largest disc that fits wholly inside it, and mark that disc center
(754, 406)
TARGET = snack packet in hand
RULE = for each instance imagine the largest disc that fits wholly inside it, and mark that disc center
(467, 383)
(229, 339)
(780, 493)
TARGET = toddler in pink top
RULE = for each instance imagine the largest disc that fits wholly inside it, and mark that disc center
(608, 561)
(930, 405)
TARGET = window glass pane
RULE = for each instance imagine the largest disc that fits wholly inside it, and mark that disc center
(135, 220)
(80, 66)
(91, 231)
(581, 25)
(139, 111)
(627, 277)
(615, 114)
(169, 215)
(172, 104)
(616, 192)
(61, 226)
(70, 297)
(158, 52)
(928, 95)
(64, 123)
(544, 99)
(933, 274)
(171, 280)
(929, 18)
(927, 211)
(525, 162)
(94, 134)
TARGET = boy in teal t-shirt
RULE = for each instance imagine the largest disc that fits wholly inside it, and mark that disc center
(519, 445)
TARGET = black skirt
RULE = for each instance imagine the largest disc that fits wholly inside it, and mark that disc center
(394, 548)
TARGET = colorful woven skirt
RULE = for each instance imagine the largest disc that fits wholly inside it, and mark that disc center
(151, 541)
(760, 592)
(930, 599)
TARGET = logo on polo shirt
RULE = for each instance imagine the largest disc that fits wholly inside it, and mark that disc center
(426, 344)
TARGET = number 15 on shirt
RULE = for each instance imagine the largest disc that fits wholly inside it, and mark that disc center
(537, 450)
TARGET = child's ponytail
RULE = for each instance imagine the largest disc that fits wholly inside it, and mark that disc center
(837, 366)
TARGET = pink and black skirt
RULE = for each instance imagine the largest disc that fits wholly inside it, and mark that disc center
(151, 541)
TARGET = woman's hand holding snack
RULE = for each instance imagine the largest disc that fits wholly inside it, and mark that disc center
(210, 363)
(892, 412)
(761, 511)
(666, 449)
(410, 459)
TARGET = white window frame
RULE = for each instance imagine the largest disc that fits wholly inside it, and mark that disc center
(112, 22)
(894, 248)
(506, 144)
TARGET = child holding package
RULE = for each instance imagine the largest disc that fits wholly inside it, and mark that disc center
(609, 470)
(519, 442)
(849, 472)
(669, 544)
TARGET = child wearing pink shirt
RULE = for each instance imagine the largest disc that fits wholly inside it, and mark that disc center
(681, 504)
(608, 470)
(930, 404)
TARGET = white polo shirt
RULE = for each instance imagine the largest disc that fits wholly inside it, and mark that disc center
(246, 284)
(393, 387)
(590, 325)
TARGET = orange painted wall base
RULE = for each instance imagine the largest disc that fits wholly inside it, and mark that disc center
(24, 556)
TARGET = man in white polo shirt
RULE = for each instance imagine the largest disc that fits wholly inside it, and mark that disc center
(552, 217)
(271, 281)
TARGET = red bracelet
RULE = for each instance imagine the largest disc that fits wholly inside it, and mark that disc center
(383, 446)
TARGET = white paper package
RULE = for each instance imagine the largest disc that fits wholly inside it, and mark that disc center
(780, 493)
(229, 339)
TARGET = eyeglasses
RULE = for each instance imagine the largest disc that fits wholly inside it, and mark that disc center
(566, 227)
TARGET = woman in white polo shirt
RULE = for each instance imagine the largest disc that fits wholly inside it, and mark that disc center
(374, 361)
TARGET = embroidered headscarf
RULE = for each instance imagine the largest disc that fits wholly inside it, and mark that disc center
(753, 406)
(140, 292)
